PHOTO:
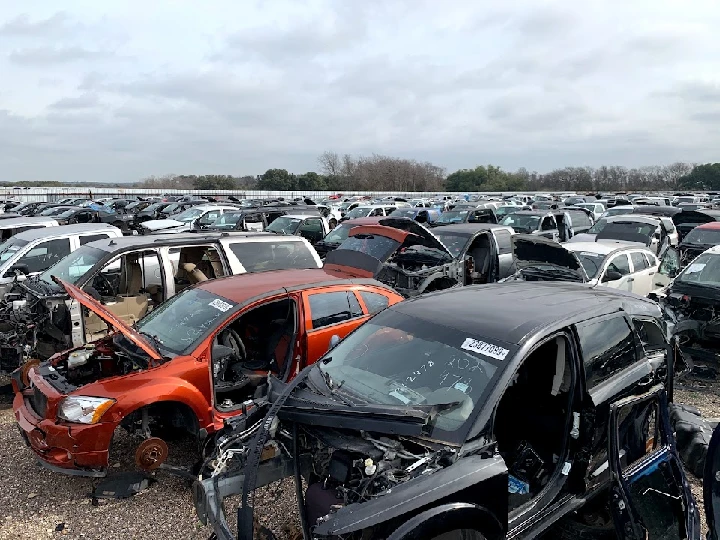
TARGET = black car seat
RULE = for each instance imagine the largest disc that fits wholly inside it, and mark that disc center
(481, 257)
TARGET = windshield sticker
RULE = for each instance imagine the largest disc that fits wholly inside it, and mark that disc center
(219, 304)
(397, 395)
(695, 267)
(486, 349)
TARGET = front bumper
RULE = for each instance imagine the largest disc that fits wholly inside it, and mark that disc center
(75, 449)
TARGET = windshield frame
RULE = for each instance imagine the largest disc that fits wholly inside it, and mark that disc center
(11, 242)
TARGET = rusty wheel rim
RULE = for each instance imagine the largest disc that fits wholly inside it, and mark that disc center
(25, 373)
(151, 453)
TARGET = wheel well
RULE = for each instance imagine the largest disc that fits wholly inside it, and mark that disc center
(173, 414)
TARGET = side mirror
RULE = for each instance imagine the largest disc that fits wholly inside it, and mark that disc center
(334, 340)
(611, 275)
(19, 269)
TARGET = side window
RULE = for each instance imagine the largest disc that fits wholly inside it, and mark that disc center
(650, 334)
(607, 346)
(375, 302)
(46, 254)
(650, 259)
(503, 240)
(548, 224)
(670, 264)
(639, 261)
(92, 237)
(376, 212)
(253, 218)
(620, 264)
(329, 308)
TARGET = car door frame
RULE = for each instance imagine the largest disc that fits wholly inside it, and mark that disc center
(627, 523)
(627, 278)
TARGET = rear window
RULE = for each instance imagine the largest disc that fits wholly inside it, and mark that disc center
(266, 256)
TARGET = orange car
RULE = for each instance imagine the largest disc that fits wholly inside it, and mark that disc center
(196, 360)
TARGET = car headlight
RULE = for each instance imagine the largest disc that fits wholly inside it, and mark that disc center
(83, 409)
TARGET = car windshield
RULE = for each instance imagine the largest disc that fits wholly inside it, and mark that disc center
(170, 208)
(591, 262)
(150, 208)
(632, 231)
(598, 226)
(456, 216)
(502, 211)
(67, 213)
(704, 270)
(52, 211)
(11, 247)
(521, 222)
(380, 247)
(454, 242)
(703, 236)
(74, 266)
(396, 359)
(339, 234)
(182, 322)
(358, 212)
(191, 214)
(284, 225)
(618, 211)
(404, 212)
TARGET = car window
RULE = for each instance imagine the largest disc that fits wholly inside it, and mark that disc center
(330, 308)
(650, 334)
(46, 254)
(264, 256)
(670, 264)
(607, 346)
(579, 219)
(374, 302)
(548, 224)
(620, 263)
(503, 241)
(650, 259)
(92, 237)
(355, 309)
(639, 261)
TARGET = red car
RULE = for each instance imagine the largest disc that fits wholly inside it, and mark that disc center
(196, 360)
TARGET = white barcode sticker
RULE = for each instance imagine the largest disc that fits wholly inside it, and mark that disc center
(219, 304)
(487, 349)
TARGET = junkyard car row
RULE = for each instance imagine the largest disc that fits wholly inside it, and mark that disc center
(416, 377)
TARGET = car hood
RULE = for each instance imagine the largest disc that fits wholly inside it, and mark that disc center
(692, 217)
(530, 250)
(161, 224)
(413, 227)
(90, 303)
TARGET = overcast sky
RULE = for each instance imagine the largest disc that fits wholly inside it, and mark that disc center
(116, 91)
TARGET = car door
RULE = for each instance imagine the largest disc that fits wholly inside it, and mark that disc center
(650, 496)
(617, 274)
(548, 228)
(642, 273)
(329, 312)
(667, 270)
(312, 229)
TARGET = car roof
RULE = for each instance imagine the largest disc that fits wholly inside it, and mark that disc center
(14, 222)
(469, 228)
(243, 287)
(300, 216)
(513, 311)
(638, 218)
(63, 230)
(599, 247)
(715, 250)
(533, 213)
(711, 225)
(374, 220)
(179, 239)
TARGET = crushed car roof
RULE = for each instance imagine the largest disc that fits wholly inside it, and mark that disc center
(243, 287)
(515, 310)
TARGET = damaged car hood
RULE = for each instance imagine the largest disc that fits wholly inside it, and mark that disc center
(404, 232)
(531, 251)
(109, 318)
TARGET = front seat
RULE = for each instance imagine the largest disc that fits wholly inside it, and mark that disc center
(194, 274)
(481, 258)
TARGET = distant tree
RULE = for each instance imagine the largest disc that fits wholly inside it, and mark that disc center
(702, 177)
(310, 181)
(275, 180)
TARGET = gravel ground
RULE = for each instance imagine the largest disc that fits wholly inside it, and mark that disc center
(35, 503)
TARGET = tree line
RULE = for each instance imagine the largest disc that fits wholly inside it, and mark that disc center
(346, 173)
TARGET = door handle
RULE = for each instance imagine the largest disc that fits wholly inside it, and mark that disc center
(631, 279)
(651, 273)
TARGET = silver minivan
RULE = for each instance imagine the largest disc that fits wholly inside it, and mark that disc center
(36, 250)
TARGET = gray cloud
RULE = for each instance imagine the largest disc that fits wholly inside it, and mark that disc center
(83, 101)
(23, 26)
(44, 56)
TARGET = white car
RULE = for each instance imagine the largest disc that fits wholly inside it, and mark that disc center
(625, 267)
(194, 218)
(596, 208)
(651, 231)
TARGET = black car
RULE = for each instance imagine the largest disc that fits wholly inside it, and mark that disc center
(480, 413)
(93, 215)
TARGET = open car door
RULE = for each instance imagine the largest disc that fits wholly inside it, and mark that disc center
(650, 497)
(711, 486)
(668, 269)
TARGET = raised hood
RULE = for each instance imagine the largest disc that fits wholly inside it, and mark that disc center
(161, 224)
(405, 232)
(109, 318)
(530, 250)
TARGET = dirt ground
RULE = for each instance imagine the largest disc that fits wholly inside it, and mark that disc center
(35, 503)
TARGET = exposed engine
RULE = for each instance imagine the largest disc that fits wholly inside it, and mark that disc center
(694, 318)
(407, 269)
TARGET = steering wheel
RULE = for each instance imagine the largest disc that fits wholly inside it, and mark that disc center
(230, 338)
(100, 287)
